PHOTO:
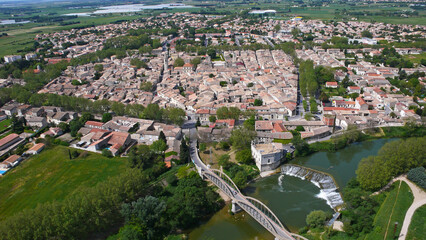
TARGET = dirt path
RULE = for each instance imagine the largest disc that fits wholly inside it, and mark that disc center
(419, 200)
(390, 217)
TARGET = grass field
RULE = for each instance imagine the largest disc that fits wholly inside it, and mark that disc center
(52, 176)
(5, 124)
(392, 210)
(216, 153)
(416, 58)
(417, 229)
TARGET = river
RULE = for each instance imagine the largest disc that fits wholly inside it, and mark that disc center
(290, 198)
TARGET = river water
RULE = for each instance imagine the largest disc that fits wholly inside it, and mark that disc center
(290, 198)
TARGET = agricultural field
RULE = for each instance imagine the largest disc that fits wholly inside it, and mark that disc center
(53, 176)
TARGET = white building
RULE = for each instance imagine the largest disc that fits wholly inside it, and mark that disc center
(268, 155)
(12, 58)
(30, 56)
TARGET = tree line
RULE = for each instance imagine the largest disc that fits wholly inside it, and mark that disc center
(394, 158)
(133, 199)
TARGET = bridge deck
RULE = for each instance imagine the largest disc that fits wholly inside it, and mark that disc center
(261, 213)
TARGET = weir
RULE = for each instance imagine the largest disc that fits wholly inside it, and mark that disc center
(329, 190)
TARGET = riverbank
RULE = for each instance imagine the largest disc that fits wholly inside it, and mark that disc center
(290, 198)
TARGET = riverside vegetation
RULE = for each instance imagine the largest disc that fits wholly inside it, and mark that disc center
(144, 200)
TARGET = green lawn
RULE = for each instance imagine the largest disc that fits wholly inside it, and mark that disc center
(394, 208)
(5, 124)
(415, 58)
(52, 176)
(417, 228)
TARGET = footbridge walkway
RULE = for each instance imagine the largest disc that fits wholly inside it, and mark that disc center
(259, 211)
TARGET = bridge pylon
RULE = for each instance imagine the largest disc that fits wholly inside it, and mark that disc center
(235, 207)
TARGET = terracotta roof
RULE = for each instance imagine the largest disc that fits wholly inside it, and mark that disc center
(12, 159)
(37, 147)
(94, 123)
(8, 139)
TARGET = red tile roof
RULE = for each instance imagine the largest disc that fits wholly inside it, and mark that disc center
(8, 139)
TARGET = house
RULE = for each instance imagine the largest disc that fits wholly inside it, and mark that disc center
(36, 122)
(10, 109)
(36, 149)
(331, 85)
(59, 117)
(263, 126)
(188, 67)
(9, 140)
(93, 124)
(113, 142)
(10, 161)
(361, 104)
(53, 132)
(354, 89)
(12, 58)
(267, 155)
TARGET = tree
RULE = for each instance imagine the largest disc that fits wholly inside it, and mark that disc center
(228, 113)
(75, 125)
(366, 34)
(244, 156)
(224, 145)
(301, 146)
(308, 117)
(147, 213)
(179, 62)
(174, 115)
(198, 123)
(277, 28)
(212, 118)
(106, 153)
(17, 124)
(394, 158)
(64, 127)
(153, 112)
(162, 137)
(106, 117)
(258, 102)
(224, 161)
(184, 152)
(202, 147)
(241, 137)
(146, 86)
(86, 117)
(196, 61)
(99, 67)
(138, 63)
(158, 146)
(316, 219)
(212, 53)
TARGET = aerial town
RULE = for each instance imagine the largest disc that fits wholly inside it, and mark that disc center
(245, 93)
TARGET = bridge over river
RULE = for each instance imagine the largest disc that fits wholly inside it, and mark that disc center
(259, 211)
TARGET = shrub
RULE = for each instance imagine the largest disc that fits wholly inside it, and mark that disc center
(418, 176)
(316, 219)
(106, 153)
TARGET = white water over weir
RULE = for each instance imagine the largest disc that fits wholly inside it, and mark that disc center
(329, 190)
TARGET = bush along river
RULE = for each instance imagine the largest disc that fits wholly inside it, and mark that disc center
(293, 193)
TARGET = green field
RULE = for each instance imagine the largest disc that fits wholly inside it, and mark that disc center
(417, 228)
(52, 176)
(5, 124)
(392, 210)
(416, 58)
(23, 36)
